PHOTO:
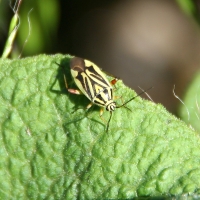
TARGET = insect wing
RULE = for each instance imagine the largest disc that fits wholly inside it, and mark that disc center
(92, 82)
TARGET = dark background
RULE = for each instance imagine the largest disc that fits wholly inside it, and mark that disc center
(145, 43)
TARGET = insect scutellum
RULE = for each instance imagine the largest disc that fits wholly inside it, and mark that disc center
(92, 82)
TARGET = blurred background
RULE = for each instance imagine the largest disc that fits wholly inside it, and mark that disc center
(144, 43)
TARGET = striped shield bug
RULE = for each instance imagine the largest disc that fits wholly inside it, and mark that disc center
(92, 82)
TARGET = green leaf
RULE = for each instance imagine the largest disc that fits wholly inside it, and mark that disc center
(50, 149)
(190, 110)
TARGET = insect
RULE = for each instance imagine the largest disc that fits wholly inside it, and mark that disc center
(92, 82)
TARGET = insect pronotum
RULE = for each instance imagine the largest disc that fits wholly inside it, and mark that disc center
(92, 82)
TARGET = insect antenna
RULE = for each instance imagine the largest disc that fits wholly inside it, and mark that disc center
(134, 97)
(109, 122)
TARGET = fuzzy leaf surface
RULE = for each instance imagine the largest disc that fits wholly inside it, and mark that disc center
(52, 148)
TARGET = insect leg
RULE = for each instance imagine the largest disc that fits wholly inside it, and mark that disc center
(73, 91)
(109, 122)
(100, 114)
(114, 81)
(89, 105)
